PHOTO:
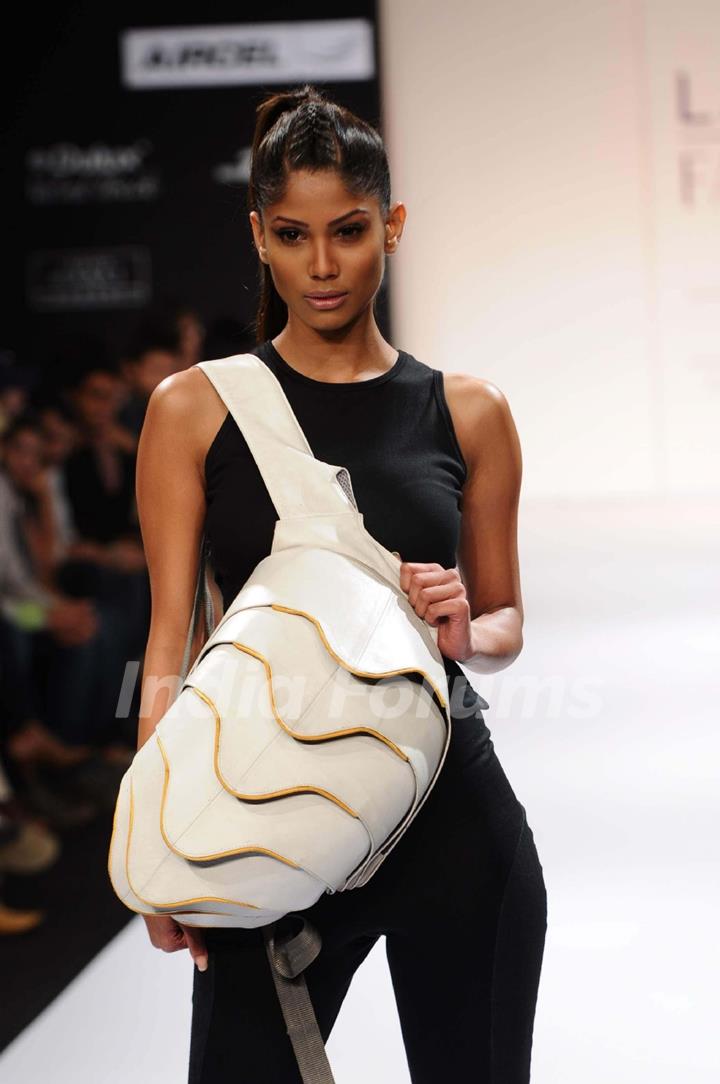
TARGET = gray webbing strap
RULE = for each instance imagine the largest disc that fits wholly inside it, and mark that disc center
(289, 955)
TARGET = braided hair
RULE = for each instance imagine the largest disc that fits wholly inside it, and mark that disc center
(302, 129)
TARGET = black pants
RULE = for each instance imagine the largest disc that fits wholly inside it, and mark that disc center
(461, 901)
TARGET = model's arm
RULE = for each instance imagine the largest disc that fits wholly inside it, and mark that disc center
(171, 509)
(488, 550)
(476, 606)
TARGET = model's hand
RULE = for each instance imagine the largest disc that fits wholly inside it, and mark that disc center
(438, 595)
(168, 935)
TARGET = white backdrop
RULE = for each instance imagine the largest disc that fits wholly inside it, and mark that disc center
(552, 245)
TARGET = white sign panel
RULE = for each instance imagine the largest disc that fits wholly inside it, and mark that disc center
(88, 278)
(334, 50)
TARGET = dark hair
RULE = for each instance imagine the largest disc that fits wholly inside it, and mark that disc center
(15, 373)
(302, 129)
(158, 327)
(78, 355)
(27, 420)
(50, 398)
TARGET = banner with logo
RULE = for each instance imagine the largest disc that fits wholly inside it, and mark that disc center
(129, 155)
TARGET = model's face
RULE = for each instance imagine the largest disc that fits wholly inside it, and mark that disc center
(321, 239)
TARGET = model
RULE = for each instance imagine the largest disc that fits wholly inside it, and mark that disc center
(436, 468)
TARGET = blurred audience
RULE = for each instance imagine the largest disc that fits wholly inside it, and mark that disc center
(26, 847)
(100, 470)
(74, 589)
(16, 383)
(192, 335)
(150, 357)
(60, 437)
(31, 608)
(37, 618)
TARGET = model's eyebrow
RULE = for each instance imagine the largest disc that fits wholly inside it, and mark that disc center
(335, 221)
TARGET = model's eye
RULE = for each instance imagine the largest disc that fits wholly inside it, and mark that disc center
(290, 236)
(285, 237)
(352, 229)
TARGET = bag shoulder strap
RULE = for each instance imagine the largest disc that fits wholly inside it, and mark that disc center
(298, 483)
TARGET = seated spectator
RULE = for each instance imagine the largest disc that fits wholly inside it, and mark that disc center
(29, 602)
(192, 335)
(106, 560)
(177, 324)
(28, 541)
(149, 360)
(92, 605)
(16, 383)
(100, 471)
(60, 437)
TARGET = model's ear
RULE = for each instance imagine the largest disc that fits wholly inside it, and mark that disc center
(394, 226)
(258, 235)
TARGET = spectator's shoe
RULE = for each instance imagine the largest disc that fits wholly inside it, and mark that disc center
(57, 810)
(35, 849)
(96, 780)
(13, 921)
(34, 743)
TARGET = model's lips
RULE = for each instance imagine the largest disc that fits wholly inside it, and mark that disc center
(326, 300)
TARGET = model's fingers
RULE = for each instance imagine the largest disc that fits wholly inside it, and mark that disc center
(196, 944)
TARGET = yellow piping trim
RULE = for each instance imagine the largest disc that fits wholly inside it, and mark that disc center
(238, 850)
(346, 666)
(307, 788)
(190, 911)
(112, 836)
(172, 914)
(312, 737)
(299, 737)
(173, 903)
(204, 925)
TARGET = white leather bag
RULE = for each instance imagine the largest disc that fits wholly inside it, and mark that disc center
(310, 728)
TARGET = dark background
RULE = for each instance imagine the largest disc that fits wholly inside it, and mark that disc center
(61, 85)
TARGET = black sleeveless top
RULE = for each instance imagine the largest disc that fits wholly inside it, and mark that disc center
(395, 435)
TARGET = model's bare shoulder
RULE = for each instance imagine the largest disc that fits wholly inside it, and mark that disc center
(183, 396)
(480, 413)
(186, 405)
